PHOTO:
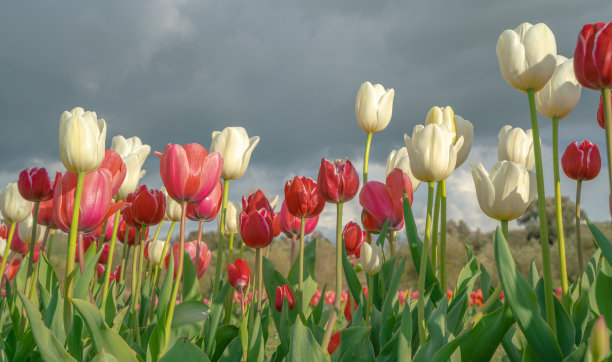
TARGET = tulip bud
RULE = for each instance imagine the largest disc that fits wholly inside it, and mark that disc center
(25, 231)
(456, 124)
(281, 293)
(374, 107)
(562, 92)
(82, 138)
(231, 220)
(593, 56)
(334, 342)
(239, 274)
(370, 258)
(581, 162)
(153, 251)
(399, 159)
(337, 182)
(235, 147)
(173, 209)
(526, 56)
(353, 237)
(13, 206)
(516, 145)
(599, 343)
(35, 185)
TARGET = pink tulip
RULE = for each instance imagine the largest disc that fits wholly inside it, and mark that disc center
(290, 225)
(208, 208)
(382, 202)
(190, 247)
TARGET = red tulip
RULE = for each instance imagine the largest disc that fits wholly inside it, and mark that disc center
(256, 221)
(190, 248)
(207, 208)
(10, 270)
(116, 273)
(100, 270)
(114, 163)
(382, 202)
(35, 185)
(353, 238)
(239, 274)
(581, 162)
(146, 207)
(281, 293)
(290, 225)
(593, 56)
(45, 214)
(316, 298)
(17, 245)
(600, 113)
(349, 308)
(132, 234)
(338, 181)
(188, 172)
(334, 342)
(302, 197)
(95, 200)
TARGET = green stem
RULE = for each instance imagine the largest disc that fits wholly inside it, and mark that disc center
(70, 252)
(559, 216)
(301, 268)
(550, 311)
(423, 266)
(7, 249)
(369, 282)
(37, 266)
(443, 236)
(177, 281)
(578, 237)
(138, 250)
(30, 285)
(49, 246)
(391, 236)
(101, 238)
(366, 156)
(109, 263)
(230, 257)
(339, 247)
(159, 226)
(504, 227)
(258, 255)
(605, 93)
(197, 261)
(434, 231)
(221, 239)
(126, 254)
(164, 249)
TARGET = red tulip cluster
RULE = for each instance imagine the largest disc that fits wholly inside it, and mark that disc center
(146, 207)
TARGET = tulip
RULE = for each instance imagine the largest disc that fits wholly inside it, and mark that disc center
(370, 258)
(11, 271)
(374, 107)
(303, 198)
(2, 246)
(203, 259)
(599, 343)
(454, 123)
(593, 56)
(290, 225)
(349, 308)
(562, 92)
(45, 214)
(173, 208)
(432, 152)
(13, 206)
(283, 292)
(231, 220)
(134, 154)
(382, 202)
(333, 343)
(154, 250)
(506, 192)
(147, 207)
(353, 238)
(123, 227)
(118, 169)
(516, 145)
(82, 138)
(235, 147)
(239, 274)
(35, 185)
(526, 56)
(256, 221)
(581, 162)
(24, 230)
(207, 208)
(188, 172)
(273, 199)
(17, 245)
(337, 182)
(399, 159)
(600, 113)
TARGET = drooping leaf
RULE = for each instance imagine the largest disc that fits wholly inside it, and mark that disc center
(354, 345)
(483, 339)
(184, 350)
(81, 284)
(214, 317)
(387, 317)
(191, 286)
(604, 244)
(304, 347)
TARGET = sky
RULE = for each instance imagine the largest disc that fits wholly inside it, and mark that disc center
(288, 71)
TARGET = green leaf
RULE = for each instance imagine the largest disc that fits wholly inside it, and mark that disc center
(189, 313)
(118, 320)
(533, 275)
(47, 278)
(387, 318)
(354, 345)
(601, 240)
(352, 280)
(163, 298)
(304, 347)
(81, 285)
(191, 287)
(184, 350)
(110, 309)
(483, 339)
(48, 345)
(578, 355)
(522, 300)
(256, 344)
(404, 344)
(75, 338)
(566, 333)
(54, 315)
(225, 334)
(233, 352)
(580, 314)
(436, 325)
(104, 357)
(485, 282)
(103, 337)
(310, 284)
(216, 309)
(599, 294)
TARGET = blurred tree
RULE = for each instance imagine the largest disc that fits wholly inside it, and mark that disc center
(531, 221)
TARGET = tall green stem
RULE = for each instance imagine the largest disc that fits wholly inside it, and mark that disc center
(109, 263)
(163, 256)
(559, 216)
(70, 252)
(434, 231)
(48, 249)
(504, 227)
(258, 255)
(221, 239)
(443, 235)
(135, 281)
(32, 249)
(7, 249)
(578, 237)
(230, 255)
(339, 247)
(37, 266)
(197, 261)
(179, 275)
(301, 268)
(423, 266)
(366, 156)
(126, 253)
(605, 93)
(550, 311)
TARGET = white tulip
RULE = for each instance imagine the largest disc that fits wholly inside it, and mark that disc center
(235, 147)
(174, 210)
(374, 107)
(562, 92)
(455, 123)
(2, 246)
(134, 155)
(506, 192)
(82, 139)
(231, 219)
(526, 56)
(13, 207)
(155, 249)
(432, 152)
(25, 231)
(399, 159)
(370, 258)
(516, 145)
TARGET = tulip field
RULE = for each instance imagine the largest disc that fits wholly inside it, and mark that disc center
(129, 292)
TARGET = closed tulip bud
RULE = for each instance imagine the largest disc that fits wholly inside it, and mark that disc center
(337, 182)
(35, 185)
(153, 251)
(562, 92)
(334, 342)
(235, 147)
(353, 237)
(516, 145)
(283, 292)
(526, 56)
(239, 274)
(382, 202)
(173, 208)
(581, 162)
(134, 154)
(13, 206)
(303, 198)
(455, 123)
(2, 246)
(231, 220)
(599, 343)
(25, 231)
(432, 152)
(374, 107)
(256, 221)
(399, 159)
(593, 56)
(370, 258)
(147, 207)
(207, 208)
(82, 139)
(506, 192)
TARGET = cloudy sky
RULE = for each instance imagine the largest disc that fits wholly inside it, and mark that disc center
(288, 71)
